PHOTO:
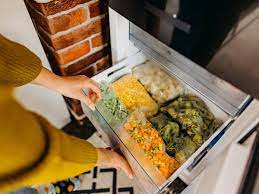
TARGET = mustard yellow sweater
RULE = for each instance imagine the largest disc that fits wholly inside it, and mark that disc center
(32, 151)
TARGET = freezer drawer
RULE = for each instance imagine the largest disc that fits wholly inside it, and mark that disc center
(225, 102)
(114, 139)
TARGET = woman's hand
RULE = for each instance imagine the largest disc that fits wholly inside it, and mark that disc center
(71, 86)
(113, 159)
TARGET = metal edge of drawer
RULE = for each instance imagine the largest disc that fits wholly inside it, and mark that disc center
(227, 97)
(115, 142)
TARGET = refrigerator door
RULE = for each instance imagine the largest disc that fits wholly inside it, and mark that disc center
(195, 29)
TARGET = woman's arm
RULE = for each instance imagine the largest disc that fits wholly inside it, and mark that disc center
(70, 86)
(19, 66)
(33, 151)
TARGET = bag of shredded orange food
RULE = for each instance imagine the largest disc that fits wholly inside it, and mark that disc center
(140, 131)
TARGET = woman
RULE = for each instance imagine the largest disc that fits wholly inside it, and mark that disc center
(32, 150)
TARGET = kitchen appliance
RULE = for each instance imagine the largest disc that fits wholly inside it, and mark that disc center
(195, 29)
(132, 46)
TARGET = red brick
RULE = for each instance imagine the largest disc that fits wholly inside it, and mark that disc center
(89, 72)
(52, 59)
(99, 40)
(38, 18)
(85, 62)
(96, 9)
(55, 6)
(42, 33)
(34, 4)
(73, 36)
(66, 21)
(73, 53)
(103, 63)
(60, 23)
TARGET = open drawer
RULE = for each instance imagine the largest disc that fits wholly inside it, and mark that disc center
(224, 101)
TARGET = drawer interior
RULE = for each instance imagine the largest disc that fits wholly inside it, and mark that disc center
(125, 67)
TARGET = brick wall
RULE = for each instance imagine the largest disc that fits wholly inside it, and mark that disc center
(75, 37)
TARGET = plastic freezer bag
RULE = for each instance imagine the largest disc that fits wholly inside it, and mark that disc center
(134, 96)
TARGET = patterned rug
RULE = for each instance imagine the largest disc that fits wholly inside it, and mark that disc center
(104, 180)
(107, 181)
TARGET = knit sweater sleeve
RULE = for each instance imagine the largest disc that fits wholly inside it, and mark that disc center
(32, 150)
(18, 65)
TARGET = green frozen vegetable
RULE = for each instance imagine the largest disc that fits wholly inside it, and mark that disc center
(193, 116)
(169, 132)
(181, 148)
(110, 107)
(184, 124)
(159, 121)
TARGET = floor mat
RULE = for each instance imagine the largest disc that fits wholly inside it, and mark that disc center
(105, 180)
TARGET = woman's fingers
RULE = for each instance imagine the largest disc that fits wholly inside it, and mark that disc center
(126, 168)
(122, 164)
(95, 88)
(93, 97)
(88, 101)
(110, 158)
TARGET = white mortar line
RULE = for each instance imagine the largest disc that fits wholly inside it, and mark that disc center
(88, 20)
(59, 13)
(90, 43)
(86, 55)
(84, 5)
(93, 36)
(78, 43)
(42, 39)
(61, 33)
(89, 66)
(88, 12)
(73, 45)
(94, 65)
(92, 51)
(97, 34)
(99, 61)
(34, 9)
(101, 58)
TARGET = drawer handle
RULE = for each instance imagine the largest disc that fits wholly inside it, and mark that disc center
(116, 70)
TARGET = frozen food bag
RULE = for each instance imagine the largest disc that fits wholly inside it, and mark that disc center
(111, 108)
(144, 142)
(158, 83)
(134, 96)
